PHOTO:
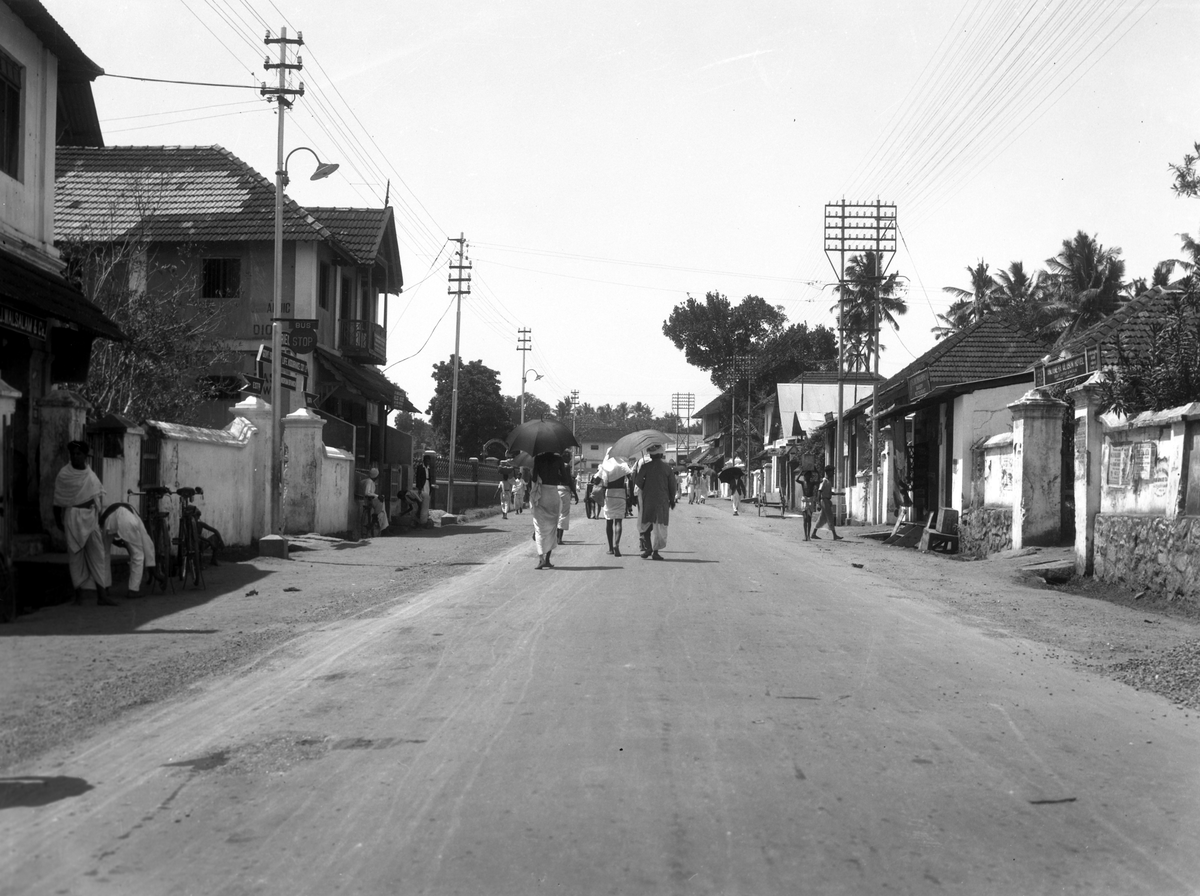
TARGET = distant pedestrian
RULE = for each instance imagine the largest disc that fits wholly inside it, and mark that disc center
(518, 489)
(504, 490)
(825, 495)
(614, 474)
(658, 489)
(808, 499)
(733, 475)
(425, 483)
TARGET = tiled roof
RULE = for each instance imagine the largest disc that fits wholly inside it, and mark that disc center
(988, 349)
(360, 230)
(1133, 322)
(173, 193)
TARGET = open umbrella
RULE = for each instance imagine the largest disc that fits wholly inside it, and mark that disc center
(541, 437)
(520, 459)
(631, 445)
(732, 472)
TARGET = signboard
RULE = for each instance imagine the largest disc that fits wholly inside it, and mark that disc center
(255, 385)
(302, 336)
(919, 384)
(291, 369)
(310, 400)
(1071, 368)
(22, 322)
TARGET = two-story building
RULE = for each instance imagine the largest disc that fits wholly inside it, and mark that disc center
(200, 218)
(46, 324)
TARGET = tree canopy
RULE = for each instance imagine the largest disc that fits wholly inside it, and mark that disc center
(715, 332)
(482, 414)
(864, 283)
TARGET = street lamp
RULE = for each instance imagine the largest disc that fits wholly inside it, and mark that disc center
(524, 376)
(274, 527)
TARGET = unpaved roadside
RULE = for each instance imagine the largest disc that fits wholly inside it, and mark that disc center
(67, 670)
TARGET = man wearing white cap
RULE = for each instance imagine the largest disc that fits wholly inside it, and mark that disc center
(371, 495)
(658, 488)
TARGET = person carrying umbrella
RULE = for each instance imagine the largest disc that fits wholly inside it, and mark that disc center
(732, 476)
(658, 488)
(548, 479)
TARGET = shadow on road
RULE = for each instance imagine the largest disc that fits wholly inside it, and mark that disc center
(38, 790)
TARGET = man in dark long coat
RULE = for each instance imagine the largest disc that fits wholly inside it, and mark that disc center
(658, 488)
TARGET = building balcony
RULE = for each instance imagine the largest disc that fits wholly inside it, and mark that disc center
(364, 341)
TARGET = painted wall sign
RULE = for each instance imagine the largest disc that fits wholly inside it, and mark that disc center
(22, 322)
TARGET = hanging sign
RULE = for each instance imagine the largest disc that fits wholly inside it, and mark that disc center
(302, 335)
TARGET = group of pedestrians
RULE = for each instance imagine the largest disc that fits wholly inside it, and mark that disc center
(552, 490)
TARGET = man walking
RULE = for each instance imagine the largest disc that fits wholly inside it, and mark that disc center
(658, 489)
(825, 495)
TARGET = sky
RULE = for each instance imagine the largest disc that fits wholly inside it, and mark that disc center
(606, 160)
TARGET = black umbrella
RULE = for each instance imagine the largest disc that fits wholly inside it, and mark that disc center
(541, 437)
(730, 474)
(519, 459)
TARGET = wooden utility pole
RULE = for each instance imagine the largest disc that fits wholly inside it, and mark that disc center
(460, 285)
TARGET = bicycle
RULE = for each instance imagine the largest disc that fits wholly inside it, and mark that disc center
(368, 518)
(160, 535)
(188, 554)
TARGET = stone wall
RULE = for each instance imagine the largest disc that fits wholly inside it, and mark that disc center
(1150, 552)
(984, 530)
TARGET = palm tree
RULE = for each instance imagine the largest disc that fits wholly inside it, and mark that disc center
(980, 293)
(865, 289)
(1085, 283)
(956, 318)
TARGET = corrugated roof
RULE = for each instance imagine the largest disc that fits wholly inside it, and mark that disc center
(170, 194)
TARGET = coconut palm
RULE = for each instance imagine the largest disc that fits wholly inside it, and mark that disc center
(864, 289)
(980, 293)
(1085, 283)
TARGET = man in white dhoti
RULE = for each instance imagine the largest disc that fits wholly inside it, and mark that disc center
(566, 493)
(371, 495)
(550, 478)
(77, 497)
(122, 524)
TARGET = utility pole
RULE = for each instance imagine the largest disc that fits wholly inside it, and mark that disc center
(524, 343)
(860, 227)
(460, 285)
(283, 101)
(574, 408)
(740, 368)
(681, 403)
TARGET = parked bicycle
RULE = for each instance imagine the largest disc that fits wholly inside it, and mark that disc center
(188, 553)
(368, 518)
(160, 534)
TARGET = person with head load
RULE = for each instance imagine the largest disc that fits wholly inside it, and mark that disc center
(610, 497)
(77, 497)
(658, 489)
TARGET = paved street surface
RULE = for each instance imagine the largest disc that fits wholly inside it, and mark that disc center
(747, 717)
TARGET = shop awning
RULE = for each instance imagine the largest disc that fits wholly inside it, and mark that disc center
(366, 381)
(50, 298)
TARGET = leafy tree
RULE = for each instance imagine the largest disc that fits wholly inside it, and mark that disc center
(864, 283)
(714, 332)
(535, 408)
(159, 372)
(482, 414)
(420, 430)
(1167, 373)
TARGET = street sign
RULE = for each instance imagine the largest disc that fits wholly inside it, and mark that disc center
(310, 400)
(255, 385)
(302, 337)
(288, 361)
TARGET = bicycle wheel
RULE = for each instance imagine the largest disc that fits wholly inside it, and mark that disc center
(162, 555)
(189, 540)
